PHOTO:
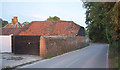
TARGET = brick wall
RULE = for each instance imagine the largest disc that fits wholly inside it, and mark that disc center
(47, 45)
(56, 45)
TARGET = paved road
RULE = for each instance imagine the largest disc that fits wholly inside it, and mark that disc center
(93, 56)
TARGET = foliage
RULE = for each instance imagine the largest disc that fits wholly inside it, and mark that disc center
(102, 20)
(24, 23)
(7, 68)
(86, 32)
(94, 20)
(55, 18)
(103, 23)
(47, 57)
(3, 23)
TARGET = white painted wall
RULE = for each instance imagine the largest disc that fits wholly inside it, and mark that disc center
(5, 43)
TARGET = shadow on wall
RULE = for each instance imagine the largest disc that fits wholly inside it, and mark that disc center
(81, 32)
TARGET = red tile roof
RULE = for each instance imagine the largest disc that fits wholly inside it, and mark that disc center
(51, 28)
(8, 31)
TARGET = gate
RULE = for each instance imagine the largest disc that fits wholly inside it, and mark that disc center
(26, 45)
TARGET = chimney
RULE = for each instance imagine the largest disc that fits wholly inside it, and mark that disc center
(15, 20)
(12, 21)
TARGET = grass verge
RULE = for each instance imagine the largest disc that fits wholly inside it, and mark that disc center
(47, 57)
(113, 59)
(7, 68)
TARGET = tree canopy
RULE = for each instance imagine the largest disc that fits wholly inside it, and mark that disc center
(102, 19)
(24, 23)
(3, 23)
(55, 18)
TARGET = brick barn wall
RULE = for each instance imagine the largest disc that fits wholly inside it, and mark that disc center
(26, 45)
(56, 45)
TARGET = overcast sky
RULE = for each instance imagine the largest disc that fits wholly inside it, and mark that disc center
(40, 10)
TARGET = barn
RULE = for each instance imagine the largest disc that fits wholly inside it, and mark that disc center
(27, 41)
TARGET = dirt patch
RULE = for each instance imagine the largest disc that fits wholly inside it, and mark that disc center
(15, 58)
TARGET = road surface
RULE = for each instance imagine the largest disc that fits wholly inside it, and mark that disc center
(93, 56)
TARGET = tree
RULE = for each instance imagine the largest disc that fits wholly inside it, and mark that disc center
(24, 23)
(3, 23)
(0, 22)
(103, 23)
(55, 18)
(102, 20)
(94, 20)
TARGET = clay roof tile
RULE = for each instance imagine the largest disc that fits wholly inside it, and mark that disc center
(50, 28)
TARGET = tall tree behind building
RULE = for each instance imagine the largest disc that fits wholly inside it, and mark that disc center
(55, 18)
(25, 23)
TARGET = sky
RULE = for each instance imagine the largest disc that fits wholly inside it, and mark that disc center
(40, 10)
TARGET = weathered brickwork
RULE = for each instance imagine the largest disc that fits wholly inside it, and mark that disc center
(46, 45)
(56, 45)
